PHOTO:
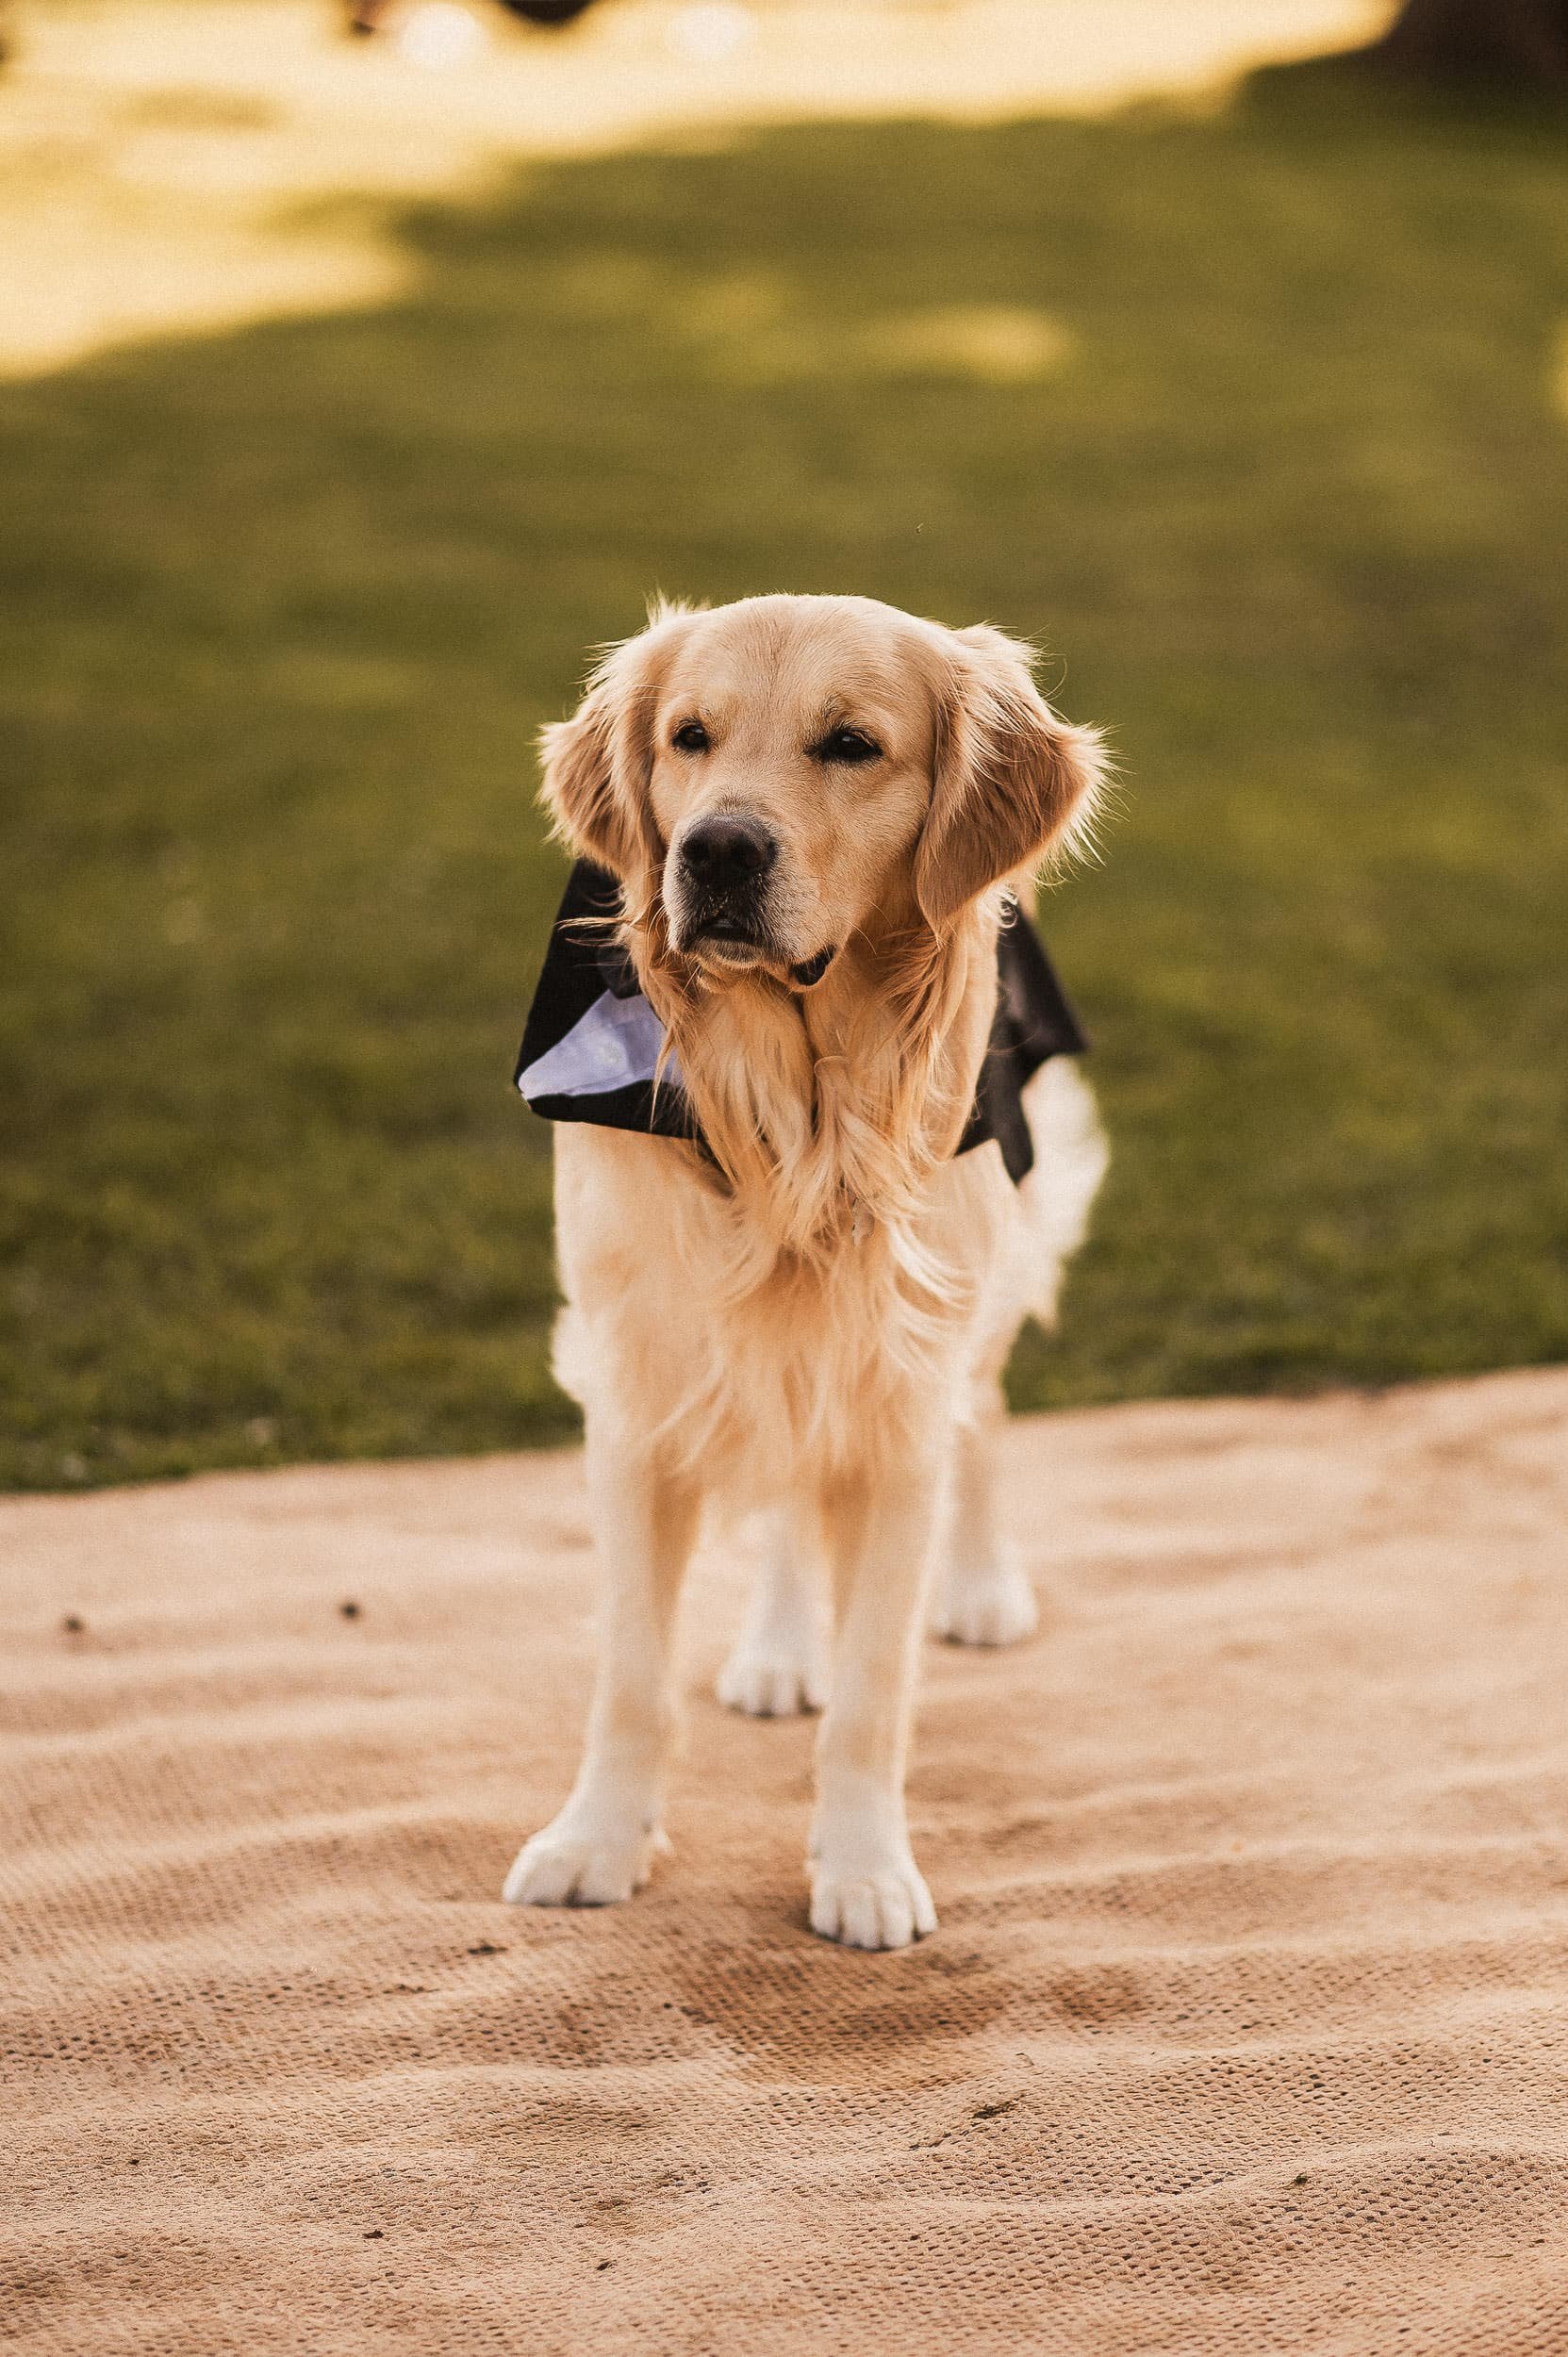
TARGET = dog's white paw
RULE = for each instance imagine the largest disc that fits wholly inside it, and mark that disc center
(577, 1866)
(990, 1607)
(886, 1909)
(775, 1677)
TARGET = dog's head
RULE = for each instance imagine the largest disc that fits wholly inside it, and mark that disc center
(787, 774)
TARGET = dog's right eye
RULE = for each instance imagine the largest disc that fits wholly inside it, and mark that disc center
(690, 737)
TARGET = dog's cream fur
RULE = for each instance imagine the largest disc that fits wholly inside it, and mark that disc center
(815, 1319)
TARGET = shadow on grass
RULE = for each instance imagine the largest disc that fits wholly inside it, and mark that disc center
(1254, 420)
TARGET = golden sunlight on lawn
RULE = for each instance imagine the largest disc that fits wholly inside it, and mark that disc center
(174, 168)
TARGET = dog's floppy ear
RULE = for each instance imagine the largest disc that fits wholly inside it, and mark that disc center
(598, 765)
(1012, 780)
(580, 791)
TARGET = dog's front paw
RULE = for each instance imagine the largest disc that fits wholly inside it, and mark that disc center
(995, 1607)
(883, 1908)
(775, 1677)
(573, 1865)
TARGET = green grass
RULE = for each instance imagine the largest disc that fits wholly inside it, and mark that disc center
(282, 610)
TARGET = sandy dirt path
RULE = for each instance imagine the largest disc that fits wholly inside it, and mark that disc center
(1245, 2030)
(169, 166)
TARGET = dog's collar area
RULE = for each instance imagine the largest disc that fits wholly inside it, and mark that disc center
(594, 1049)
(806, 976)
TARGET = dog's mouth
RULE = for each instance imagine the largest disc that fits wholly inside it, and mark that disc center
(731, 935)
(733, 930)
(727, 942)
(724, 929)
(731, 941)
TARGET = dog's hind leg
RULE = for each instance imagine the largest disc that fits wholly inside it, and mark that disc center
(601, 1845)
(983, 1597)
(778, 1665)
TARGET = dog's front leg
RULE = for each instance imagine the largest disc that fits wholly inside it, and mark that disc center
(602, 1846)
(866, 1887)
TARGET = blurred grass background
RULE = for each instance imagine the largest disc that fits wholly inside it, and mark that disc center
(1257, 421)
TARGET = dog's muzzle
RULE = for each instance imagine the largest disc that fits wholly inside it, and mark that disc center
(724, 864)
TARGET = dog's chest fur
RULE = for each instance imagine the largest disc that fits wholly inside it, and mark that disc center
(809, 1300)
(824, 1362)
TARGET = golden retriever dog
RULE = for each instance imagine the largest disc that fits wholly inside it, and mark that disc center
(817, 811)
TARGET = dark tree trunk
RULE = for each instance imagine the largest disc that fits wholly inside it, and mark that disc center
(1492, 40)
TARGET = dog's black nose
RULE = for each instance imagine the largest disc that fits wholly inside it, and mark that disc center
(720, 853)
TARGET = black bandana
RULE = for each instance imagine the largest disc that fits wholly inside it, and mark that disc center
(592, 1042)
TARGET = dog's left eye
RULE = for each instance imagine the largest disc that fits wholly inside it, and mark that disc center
(850, 745)
(690, 737)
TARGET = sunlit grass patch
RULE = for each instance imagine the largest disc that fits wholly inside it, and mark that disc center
(1558, 371)
(995, 343)
(1243, 420)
